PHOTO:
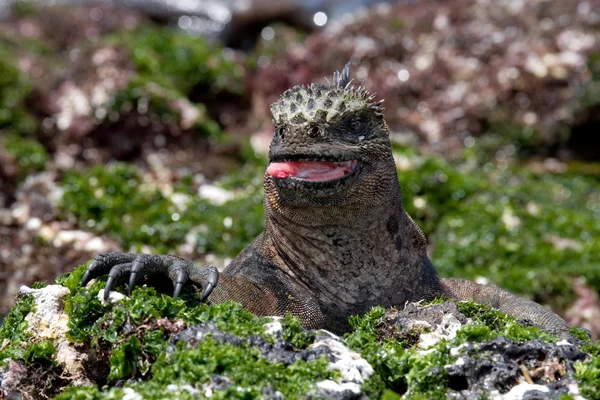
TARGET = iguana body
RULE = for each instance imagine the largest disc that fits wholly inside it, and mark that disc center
(337, 240)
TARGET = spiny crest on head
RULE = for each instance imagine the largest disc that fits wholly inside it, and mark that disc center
(324, 102)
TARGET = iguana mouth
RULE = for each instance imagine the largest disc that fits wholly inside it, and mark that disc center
(316, 171)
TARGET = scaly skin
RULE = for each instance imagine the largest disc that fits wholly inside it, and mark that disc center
(330, 249)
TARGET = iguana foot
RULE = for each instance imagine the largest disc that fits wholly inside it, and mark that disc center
(119, 266)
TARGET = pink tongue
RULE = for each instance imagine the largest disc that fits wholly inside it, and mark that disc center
(310, 170)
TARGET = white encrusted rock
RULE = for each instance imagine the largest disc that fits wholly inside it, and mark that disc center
(274, 328)
(354, 369)
(521, 391)
(446, 330)
(48, 321)
(114, 297)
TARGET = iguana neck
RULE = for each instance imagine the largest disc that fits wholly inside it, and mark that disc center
(366, 251)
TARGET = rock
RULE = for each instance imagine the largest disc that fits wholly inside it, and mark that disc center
(354, 370)
(49, 321)
(452, 71)
(205, 358)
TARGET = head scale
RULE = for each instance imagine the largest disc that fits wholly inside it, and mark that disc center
(324, 102)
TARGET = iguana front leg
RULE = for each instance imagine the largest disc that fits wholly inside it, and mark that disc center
(267, 294)
(127, 267)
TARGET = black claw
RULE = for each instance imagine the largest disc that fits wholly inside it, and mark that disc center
(177, 290)
(206, 292)
(213, 279)
(181, 278)
(135, 268)
(86, 278)
(132, 279)
(123, 267)
(110, 282)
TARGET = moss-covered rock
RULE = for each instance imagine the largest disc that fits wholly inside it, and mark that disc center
(155, 346)
(159, 346)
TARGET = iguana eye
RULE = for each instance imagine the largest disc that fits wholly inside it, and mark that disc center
(356, 125)
(314, 131)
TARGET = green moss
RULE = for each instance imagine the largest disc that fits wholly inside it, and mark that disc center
(294, 333)
(432, 187)
(531, 234)
(490, 323)
(177, 61)
(15, 88)
(13, 335)
(141, 94)
(588, 376)
(114, 200)
(399, 368)
(40, 351)
(29, 154)
(125, 357)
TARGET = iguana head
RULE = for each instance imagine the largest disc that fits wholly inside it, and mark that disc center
(330, 146)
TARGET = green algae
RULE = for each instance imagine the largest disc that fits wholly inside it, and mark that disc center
(249, 378)
(170, 66)
(591, 93)
(294, 333)
(168, 106)
(530, 234)
(15, 89)
(15, 341)
(179, 62)
(13, 332)
(31, 156)
(399, 368)
(134, 349)
(209, 360)
(116, 201)
(433, 187)
(588, 373)
(489, 323)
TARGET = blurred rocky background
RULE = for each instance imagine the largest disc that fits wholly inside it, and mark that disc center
(143, 126)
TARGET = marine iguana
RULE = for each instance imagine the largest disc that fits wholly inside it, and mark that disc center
(337, 240)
